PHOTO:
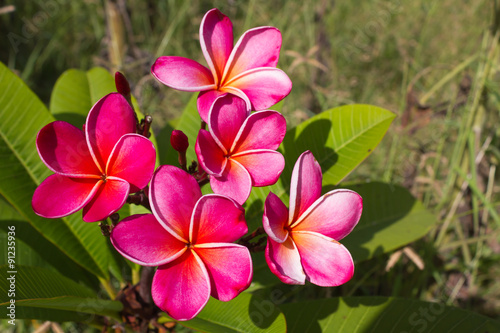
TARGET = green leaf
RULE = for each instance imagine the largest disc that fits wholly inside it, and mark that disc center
(35, 287)
(76, 91)
(340, 139)
(391, 218)
(21, 170)
(382, 314)
(246, 313)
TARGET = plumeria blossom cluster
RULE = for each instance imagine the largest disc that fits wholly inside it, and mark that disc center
(192, 238)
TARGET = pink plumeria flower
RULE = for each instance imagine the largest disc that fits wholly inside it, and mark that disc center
(189, 237)
(239, 151)
(248, 70)
(303, 242)
(95, 169)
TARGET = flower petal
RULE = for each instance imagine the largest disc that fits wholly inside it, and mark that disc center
(210, 155)
(229, 267)
(275, 218)
(59, 196)
(181, 288)
(217, 219)
(63, 148)
(305, 185)
(205, 101)
(216, 39)
(284, 261)
(334, 214)
(235, 182)
(261, 130)
(264, 86)
(182, 74)
(110, 197)
(326, 262)
(133, 159)
(141, 239)
(108, 120)
(264, 165)
(257, 47)
(227, 115)
(173, 195)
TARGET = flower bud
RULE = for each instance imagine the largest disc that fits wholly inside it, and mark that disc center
(122, 85)
(179, 141)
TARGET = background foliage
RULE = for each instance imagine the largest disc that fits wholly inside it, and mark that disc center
(433, 63)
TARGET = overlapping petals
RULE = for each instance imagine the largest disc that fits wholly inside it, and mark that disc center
(189, 237)
(248, 70)
(240, 152)
(94, 169)
(303, 243)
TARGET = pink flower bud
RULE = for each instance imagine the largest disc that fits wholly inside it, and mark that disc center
(179, 141)
(122, 85)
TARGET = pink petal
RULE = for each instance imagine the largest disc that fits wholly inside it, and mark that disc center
(264, 165)
(141, 239)
(229, 267)
(59, 196)
(182, 74)
(235, 182)
(205, 101)
(227, 115)
(217, 219)
(264, 86)
(108, 120)
(305, 185)
(216, 39)
(133, 159)
(326, 262)
(110, 197)
(275, 218)
(63, 148)
(210, 155)
(181, 288)
(334, 214)
(173, 194)
(261, 130)
(257, 47)
(284, 261)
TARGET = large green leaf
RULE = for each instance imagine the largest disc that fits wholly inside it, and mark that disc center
(21, 170)
(391, 218)
(36, 287)
(340, 139)
(76, 91)
(246, 313)
(382, 314)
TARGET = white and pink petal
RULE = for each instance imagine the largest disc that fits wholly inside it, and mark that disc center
(275, 218)
(59, 196)
(235, 182)
(263, 165)
(305, 187)
(141, 239)
(210, 155)
(227, 115)
(229, 267)
(326, 262)
(334, 214)
(182, 74)
(217, 219)
(63, 148)
(284, 261)
(173, 194)
(181, 288)
(133, 159)
(108, 120)
(110, 197)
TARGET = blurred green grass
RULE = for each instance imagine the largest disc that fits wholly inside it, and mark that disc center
(433, 63)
